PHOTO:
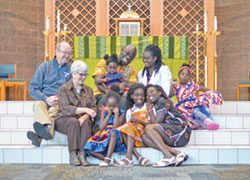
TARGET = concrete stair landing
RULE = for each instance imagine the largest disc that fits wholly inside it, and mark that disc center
(228, 145)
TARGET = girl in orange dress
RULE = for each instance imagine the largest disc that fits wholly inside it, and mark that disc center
(137, 118)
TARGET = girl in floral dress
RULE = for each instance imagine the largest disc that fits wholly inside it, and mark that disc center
(194, 108)
(168, 128)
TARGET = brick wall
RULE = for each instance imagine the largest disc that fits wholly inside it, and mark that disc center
(233, 46)
(21, 37)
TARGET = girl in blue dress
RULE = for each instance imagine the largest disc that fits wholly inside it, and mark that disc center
(112, 76)
(108, 139)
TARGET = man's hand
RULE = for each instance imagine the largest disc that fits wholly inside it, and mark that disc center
(107, 90)
(52, 100)
(122, 86)
(106, 80)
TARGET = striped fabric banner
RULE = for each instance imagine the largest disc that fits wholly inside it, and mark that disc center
(165, 53)
(177, 48)
(92, 45)
(97, 46)
(108, 47)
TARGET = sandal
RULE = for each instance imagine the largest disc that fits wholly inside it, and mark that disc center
(143, 161)
(164, 163)
(180, 158)
(106, 162)
(124, 163)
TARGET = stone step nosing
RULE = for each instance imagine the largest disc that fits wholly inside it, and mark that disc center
(213, 114)
(193, 131)
(197, 154)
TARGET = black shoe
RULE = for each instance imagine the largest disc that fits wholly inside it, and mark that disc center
(42, 130)
(35, 140)
(73, 159)
(82, 158)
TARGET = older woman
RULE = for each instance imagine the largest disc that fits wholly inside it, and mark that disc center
(77, 109)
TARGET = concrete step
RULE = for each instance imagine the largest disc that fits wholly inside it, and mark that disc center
(231, 107)
(25, 121)
(18, 137)
(228, 145)
(26, 107)
(60, 155)
(198, 137)
(16, 107)
(233, 121)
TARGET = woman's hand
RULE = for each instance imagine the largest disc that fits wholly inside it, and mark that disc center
(83, 118)
(90, 112)
(149, 106)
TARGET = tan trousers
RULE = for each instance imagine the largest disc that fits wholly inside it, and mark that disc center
(45, 114)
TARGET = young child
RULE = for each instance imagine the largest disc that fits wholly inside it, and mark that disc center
(108, 139)
(112, 76)
(194, 108)
(137, 118)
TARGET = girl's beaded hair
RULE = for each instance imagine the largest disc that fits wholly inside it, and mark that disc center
(113, 58)
(130, 101)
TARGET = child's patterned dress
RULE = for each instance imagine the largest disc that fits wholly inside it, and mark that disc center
(135, 130)
(100, 141)
(187, 100)
(174, 125)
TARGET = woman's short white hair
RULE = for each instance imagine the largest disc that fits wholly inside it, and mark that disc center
(78, 67)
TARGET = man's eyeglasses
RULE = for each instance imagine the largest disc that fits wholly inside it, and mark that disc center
(66, 52)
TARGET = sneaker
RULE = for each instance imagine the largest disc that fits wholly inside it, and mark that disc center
(42, 131)
(35, 139)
